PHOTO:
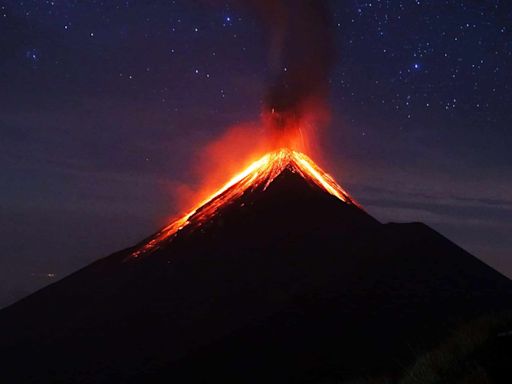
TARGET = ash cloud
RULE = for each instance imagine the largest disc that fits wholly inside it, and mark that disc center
(301, 53)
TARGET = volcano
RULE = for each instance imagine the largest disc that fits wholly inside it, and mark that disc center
(279, 276)
(257, 177)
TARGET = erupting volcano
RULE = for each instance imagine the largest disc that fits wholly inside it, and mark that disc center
(278, 276)
(257, 176)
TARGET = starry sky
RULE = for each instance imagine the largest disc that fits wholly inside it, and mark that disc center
(104, 105)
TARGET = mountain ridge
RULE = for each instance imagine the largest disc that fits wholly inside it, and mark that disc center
(285, 285)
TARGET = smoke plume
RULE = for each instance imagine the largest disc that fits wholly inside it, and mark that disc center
(301, 53)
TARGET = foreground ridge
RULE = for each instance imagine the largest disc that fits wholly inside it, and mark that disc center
(257, 175)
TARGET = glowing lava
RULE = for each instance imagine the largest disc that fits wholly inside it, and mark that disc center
(257, 175)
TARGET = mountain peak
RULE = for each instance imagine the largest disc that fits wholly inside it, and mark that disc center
(256, 177)
(274, 274)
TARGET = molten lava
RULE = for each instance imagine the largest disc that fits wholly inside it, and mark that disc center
(258, 175)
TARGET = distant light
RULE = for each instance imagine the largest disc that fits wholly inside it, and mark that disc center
(416, 66)
(228, 19)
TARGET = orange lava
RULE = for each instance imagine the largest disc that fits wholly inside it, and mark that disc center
(257, 175)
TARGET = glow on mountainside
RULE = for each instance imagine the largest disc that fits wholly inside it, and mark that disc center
(259, 174)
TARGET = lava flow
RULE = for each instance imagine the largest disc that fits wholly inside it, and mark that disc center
(258, 175)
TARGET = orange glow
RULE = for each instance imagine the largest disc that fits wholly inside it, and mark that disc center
(258, 175)
(243, 144)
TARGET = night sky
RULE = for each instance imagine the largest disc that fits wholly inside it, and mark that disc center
(104, 106)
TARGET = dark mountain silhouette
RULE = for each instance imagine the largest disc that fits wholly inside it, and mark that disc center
(286, 284)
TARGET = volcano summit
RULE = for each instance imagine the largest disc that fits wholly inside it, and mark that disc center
(257, 176)
(277, 277)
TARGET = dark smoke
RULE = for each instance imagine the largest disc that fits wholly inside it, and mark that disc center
(301, 56)
(301, 52)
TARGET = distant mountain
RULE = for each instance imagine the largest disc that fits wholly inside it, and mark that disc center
(284, 281)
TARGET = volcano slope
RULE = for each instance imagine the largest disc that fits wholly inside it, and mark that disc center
(285, 283)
